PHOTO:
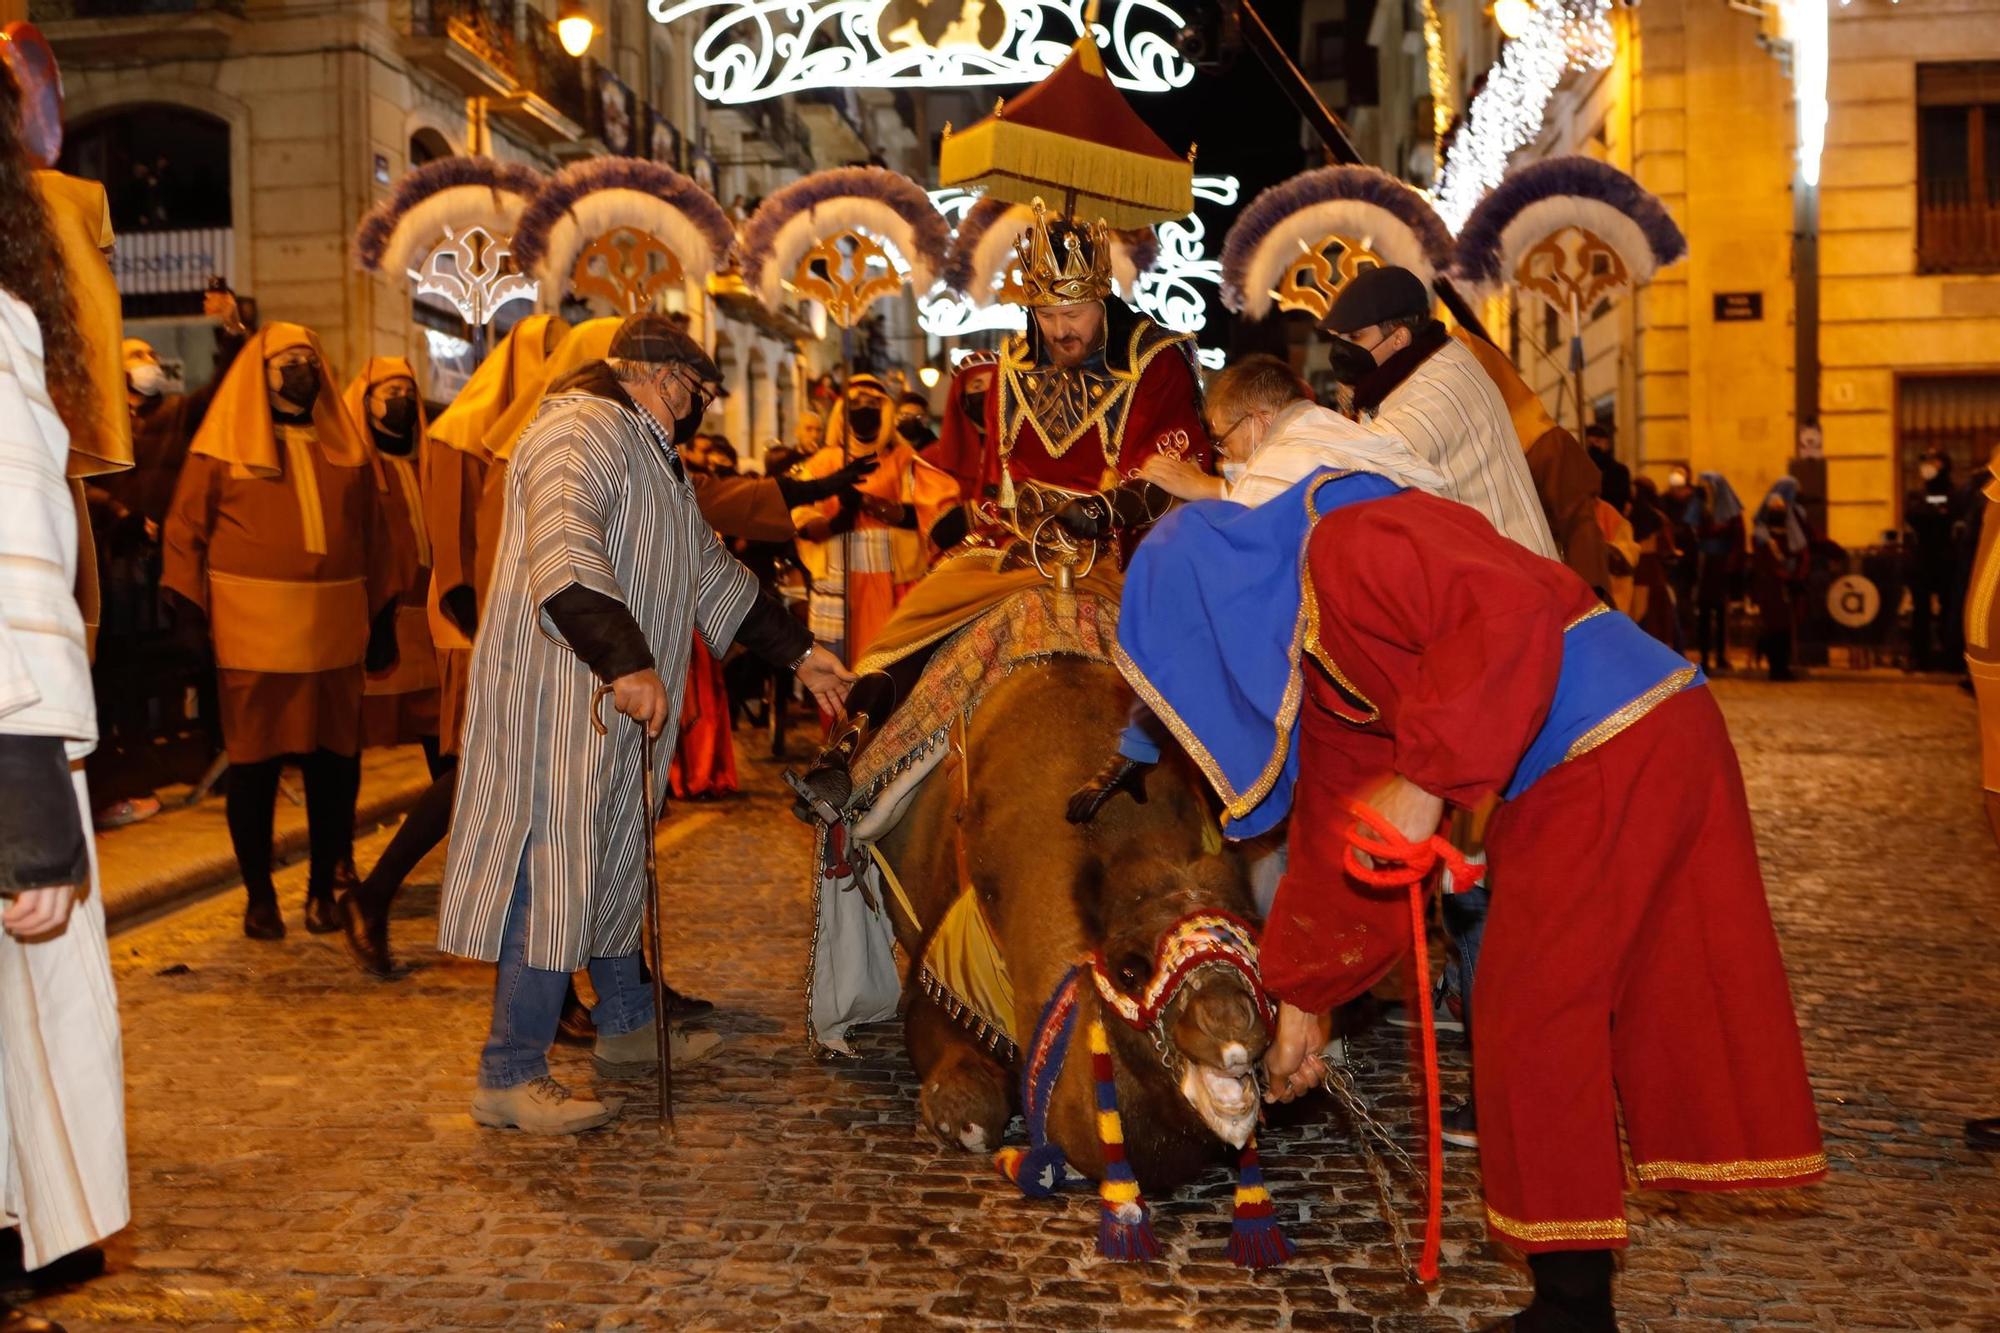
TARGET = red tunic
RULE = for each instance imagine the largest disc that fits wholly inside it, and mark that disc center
(1152, 406)
(1629, 960)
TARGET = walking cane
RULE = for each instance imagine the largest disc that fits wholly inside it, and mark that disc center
(652, 920)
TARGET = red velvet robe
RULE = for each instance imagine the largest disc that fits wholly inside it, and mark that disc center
(1629, 960)
(1163, 415)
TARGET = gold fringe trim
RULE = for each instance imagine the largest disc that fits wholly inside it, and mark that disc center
(1770, 1168)
(1536, 1233)
(1630, 713)
(1125, 188)
(1593, 613)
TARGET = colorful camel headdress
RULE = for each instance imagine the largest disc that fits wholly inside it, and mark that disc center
(1124, 1230)
(1299, 242)
(1571, 230)
(450, 225)
(846, 238)
(622, 229)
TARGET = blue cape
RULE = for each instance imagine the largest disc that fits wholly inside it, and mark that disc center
(1211, 632)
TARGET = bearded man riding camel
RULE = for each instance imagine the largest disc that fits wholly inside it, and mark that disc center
(1083, 399)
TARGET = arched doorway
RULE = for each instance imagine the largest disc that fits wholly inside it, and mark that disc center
(428, 145)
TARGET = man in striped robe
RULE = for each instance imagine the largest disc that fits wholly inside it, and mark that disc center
(605, 569)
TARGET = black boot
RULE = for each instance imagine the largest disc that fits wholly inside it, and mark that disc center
(1572, 1294)
(322, 917)
(824, 789)
(1118, 774)
(261, 919)
(366, 926)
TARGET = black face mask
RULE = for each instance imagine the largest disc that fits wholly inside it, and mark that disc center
(399, 416)
(1352, 362)
(866, 423)
(916, 431)
(299, 384)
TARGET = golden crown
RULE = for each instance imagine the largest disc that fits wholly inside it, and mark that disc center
(1063, 261)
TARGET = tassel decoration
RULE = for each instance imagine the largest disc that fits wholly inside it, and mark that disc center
(1254, 1238)
(1125, 1231)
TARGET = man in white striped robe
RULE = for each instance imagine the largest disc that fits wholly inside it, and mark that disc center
(605, 569)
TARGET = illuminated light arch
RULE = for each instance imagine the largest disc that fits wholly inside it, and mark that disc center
(750, 50)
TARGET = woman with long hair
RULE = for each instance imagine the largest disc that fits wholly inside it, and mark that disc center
(62, 1121)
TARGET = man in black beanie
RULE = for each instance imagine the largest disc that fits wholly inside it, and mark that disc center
(1428, 388)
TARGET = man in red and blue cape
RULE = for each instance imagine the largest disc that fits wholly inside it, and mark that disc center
(1394, 655)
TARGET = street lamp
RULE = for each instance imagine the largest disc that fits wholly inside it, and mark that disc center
(1513, 16)
(574, 27)
(929, 375)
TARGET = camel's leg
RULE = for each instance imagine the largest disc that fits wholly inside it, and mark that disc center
(966, 1093)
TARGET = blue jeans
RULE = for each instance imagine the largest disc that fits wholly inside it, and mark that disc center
(528, 1001)
(1465, 922)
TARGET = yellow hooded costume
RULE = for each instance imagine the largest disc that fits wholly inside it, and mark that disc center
(401, 704)
(277, 533)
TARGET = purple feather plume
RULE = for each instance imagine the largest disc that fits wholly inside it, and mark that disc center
(898, 192)
(1144, 244)
(371, 238)
(575, 181)
(1323, 185)
(1478, 258)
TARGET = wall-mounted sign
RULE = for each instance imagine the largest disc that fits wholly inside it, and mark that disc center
(753, 49)
(1738, 307)
(150, 262)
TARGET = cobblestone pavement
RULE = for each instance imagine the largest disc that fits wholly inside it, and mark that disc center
(302, 1157)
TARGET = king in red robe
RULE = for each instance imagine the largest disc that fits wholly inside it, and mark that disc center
(1080, 401)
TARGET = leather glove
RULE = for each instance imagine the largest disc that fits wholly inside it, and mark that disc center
(850, 510)
(382, 641)
(1084, 518)
(1119, 774)
(461, 607)
(800, 490)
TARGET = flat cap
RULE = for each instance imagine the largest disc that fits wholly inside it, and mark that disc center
(1375, 295)
(661, 340)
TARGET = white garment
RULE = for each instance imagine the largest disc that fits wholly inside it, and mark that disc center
(1452, 414)
(1306, 437)
(62, 1088)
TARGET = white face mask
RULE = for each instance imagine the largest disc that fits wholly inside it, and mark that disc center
(1232, 473)
(147, 378)
(1677, 479)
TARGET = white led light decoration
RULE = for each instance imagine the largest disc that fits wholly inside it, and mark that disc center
(1166, 293)
(1507, 115)
(749, 50)
(1804, 27)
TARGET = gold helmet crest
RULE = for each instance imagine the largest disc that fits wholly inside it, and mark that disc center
(1063, 261)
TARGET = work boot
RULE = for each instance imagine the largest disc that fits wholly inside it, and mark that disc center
(636, 1054)
(261, 920)
(322, 917)
(1572, 1294)
(827, 786)
(367, 934)
(541, 1106)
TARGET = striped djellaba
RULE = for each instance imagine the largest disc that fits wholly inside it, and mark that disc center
(595, 496)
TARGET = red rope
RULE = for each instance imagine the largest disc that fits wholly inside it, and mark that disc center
(1401, 863)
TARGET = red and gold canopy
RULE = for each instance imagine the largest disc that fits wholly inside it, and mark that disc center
(1075, 143)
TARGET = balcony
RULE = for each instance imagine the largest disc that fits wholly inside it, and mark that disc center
(81, 30)
(1958, 226)
(491, 49)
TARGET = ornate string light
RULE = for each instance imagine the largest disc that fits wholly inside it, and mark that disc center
(749, 50)
(1506, 116)
(1439, 69)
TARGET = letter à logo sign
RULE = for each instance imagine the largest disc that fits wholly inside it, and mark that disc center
(1738, 307)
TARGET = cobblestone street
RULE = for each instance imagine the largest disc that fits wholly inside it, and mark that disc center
(301, 1154)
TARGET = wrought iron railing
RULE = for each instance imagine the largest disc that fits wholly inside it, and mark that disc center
(483, 27)
(550, 72)
(1958, 226)
(58, 11)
